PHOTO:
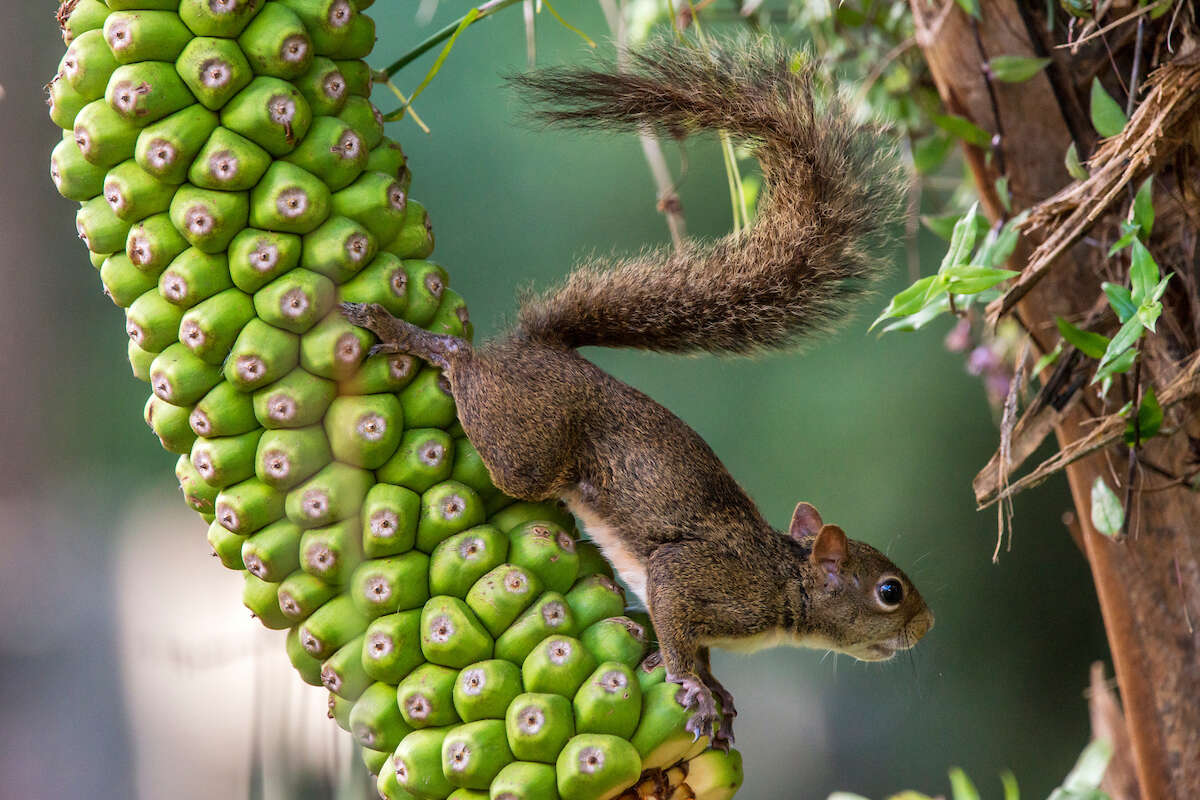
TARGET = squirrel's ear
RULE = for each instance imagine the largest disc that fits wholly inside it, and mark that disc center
(806, 521)
(829, 550)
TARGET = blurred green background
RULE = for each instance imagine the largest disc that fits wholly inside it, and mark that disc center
(884, 435)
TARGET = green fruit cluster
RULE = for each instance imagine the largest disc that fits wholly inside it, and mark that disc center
(235, 185)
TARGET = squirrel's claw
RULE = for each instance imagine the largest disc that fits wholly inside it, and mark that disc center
(694, 694)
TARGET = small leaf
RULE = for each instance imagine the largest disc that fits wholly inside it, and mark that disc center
(1149, 419)
(918, 320)
(996, 249)
(965, 279)
(1048, 359)
(962, 241)
(969, 6)
(1161, 287)
(1120, 300)
(1143, 273)
(1107, 116)
(1130, 233)
(929, 152)
(1120, 364)
(1015, 69)
(1148, 314)
(1003, 193)
(961, 786)
(1011, 791)
(908, 301)
(941, 226)
(1089, 343)
(1130, 332)
(1074, 167)
(1143, 207)
(1093, 761)
(1107, 518)
(964, 129)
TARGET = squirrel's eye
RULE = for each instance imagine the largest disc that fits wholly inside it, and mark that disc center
(890, 592)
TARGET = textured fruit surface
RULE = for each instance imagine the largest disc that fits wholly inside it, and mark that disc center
(235, 184)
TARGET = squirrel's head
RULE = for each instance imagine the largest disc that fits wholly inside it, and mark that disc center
(858, 602)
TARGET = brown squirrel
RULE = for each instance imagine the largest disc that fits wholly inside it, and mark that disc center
(681, 532)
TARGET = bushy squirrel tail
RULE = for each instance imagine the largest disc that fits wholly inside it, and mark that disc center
(831, 187)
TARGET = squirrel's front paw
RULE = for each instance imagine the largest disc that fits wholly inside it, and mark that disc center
(694, 694)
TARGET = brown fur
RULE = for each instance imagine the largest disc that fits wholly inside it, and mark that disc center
(550, 424)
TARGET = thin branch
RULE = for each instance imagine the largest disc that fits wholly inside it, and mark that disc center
(1100, 32)
(485, 10)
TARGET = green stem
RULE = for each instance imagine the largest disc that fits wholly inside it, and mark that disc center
(485, 10)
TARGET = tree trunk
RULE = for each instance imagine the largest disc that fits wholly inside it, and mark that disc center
(1148, 584)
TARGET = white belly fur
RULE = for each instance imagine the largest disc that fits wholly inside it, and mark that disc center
(605, 536)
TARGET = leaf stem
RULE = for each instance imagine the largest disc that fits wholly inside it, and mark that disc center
(484, 10)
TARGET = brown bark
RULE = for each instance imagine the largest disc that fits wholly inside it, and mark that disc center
(1148, 585)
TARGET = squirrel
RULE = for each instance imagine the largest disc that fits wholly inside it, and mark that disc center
(547, 423)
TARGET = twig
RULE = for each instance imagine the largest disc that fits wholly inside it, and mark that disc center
(1110, 26)
(1136, 69)
(1136, 412)
(485, 10)
(998, 136)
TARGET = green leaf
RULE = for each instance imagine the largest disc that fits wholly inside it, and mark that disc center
(1016, 69)
(1161, 287)
(1107, 518)
(1130, 332)
(1003, 193)
(1143, 207)
(929, 152)
(1143, 273)
(1120, 300)
(941, 226)
(1093, 761)
(1107, 116)
(1120, 364)
(969, 6)
(1091, 344)
(1148, 314)
(1011, 791)
(964, 129)
(962, 241)
(1074, 167)
(965, 279)
(918, 320)
(1048, 359)
(961, 786)
(908, 301)
(1130, 234)
(1149, 419)
(996, 249)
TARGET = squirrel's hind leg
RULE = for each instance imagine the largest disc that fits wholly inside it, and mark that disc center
(724, 735)
(398, 336)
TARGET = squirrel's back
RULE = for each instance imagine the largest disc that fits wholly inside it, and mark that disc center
(830, 190)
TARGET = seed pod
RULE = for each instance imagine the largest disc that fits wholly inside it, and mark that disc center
(289, 456)
(147, 91)
(64, 101)
(392, 647)
(375, 720)
(154, 243)
(335, 493)
(135, 5)
(308, 667)
(546, 550)
(196, 493)
(324, 87)
(594, 598)
(169, 423)
(123, 282)
(549, 615)
(473, 753)
(425, 696)
(610, 701)
(272, 555)
(334, 348)
(538, 726)
(260, 597)
(248, 506)
(616, 639)
(226, 545)
(214, 69)
(134, 194)
(525, 780)
(328, 21)
(594, 766)
(388, 157)
(224, 411)
(390, 516)
(650, 673)
(364, 431)
(558, 665)
(384, 281)
(427, 400)
(330, 627)
(296, 400)
(383, 372)
(452, 317)
(424, 457)
(342, 672)
(592, 562)
(387, 585)
(661, 739)
(88, 64)
(295, 301)
(500, 596)
(415, 237)
(331, 553)
(418, 763)
(451, 635)
(485, 689)
(226, 460)
(446, 509)
(373, 760)
(261, 354)
(99, 228)
(194, 276)
(300, 594)
(333, 151)
(358, 74)
(73, 176)
(388, 785)
(461, 560)
(426, 284)
(258, 257)
(376, 201)
(140, 361)
(522, 512)
(209, 328)
(289, 199)
(224, 18)
(179, 377)
(209, 219)
(339, 711)
(359, 39)
(142, 35)
(86, 15)
(167, 148)
(714, 775)
(338, 249)
(229, 162)
(269, 112)
(152, 323)
(276, 43)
